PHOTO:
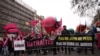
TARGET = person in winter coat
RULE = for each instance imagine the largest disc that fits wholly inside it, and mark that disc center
(64, 33)
(1, 45)
(5, 47)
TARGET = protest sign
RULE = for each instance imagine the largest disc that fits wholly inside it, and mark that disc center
(19, 45)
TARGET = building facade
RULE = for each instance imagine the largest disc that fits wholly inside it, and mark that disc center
(13, 11)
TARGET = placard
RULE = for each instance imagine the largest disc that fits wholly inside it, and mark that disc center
(19, 45)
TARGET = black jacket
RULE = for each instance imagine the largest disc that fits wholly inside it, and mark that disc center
(65, 32)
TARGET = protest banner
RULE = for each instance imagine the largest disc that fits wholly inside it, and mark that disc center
(81, 41)
(75, 41)
(38, 43)
(68, 41)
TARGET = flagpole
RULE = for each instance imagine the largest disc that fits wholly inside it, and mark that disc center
(80, 27)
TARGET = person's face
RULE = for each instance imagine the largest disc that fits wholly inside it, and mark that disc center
(64, 27)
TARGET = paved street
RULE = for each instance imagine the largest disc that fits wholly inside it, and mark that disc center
(97, 53)
(73, 53)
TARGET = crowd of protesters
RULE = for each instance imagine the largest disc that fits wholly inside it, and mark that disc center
(7, 47)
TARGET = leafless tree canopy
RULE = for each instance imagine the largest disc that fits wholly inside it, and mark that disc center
(85, 7)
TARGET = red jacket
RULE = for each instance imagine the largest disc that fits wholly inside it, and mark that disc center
(1, 43)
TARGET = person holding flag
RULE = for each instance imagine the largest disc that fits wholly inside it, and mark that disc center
(12, 34)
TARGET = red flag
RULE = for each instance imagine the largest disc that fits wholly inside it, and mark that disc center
(10, 25)
(34, 22)
(13, 30)
(60, 22)
(97, 23)
(48, 22)
(24, 33)
(81, 28)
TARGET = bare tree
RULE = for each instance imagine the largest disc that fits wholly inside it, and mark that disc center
(96, 17)
(85, 7)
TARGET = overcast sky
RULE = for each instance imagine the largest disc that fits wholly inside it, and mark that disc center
(57, 8)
